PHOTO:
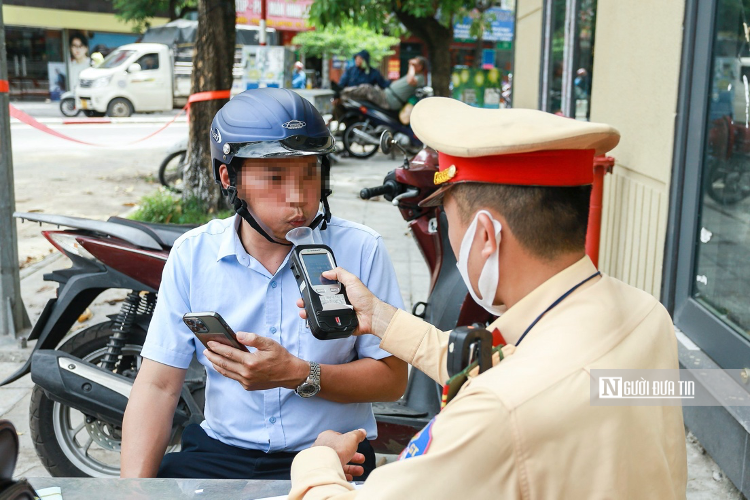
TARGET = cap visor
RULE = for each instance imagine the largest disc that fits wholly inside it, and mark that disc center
(436, 198)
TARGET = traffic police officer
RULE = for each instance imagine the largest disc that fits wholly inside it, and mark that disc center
(515, 189)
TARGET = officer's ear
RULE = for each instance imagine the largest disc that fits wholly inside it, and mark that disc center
(224, 176)
(486, 235)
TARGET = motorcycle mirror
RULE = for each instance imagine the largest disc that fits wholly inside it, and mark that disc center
(386, 142)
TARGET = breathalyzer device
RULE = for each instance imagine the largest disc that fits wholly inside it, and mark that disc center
(329, 313)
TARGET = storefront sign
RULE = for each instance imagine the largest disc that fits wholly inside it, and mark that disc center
(502, 27)
(288, 15)
(394, 69)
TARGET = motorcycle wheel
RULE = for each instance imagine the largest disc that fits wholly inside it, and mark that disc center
(352, 144)
(172, 169)
(66, 441)
(68, 107)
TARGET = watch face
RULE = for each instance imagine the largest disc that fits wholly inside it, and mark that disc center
(308, 389)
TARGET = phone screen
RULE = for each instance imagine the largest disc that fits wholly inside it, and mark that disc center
(316, 264)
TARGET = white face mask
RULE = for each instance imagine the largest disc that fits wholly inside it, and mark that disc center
(488, 279)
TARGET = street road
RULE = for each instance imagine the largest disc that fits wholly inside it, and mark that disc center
(53, 175)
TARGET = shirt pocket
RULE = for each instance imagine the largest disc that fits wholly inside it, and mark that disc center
(339, 351)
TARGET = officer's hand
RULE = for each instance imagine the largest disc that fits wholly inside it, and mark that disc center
(270, 366)
(345, 446)
(366, 305)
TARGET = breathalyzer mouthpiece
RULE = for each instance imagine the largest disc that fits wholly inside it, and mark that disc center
(300, 236)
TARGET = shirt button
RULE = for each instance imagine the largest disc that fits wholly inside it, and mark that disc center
(273, 284)
(273, 330)
(272, 420)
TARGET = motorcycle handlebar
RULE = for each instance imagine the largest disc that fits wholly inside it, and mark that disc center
(390, 187)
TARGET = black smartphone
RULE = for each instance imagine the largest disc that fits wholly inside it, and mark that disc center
(329, 313)
(210, 326)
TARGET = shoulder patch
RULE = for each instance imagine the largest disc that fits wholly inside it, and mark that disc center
(420, 443)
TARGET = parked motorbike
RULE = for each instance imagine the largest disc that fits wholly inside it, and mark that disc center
(365, 122)
(173, 166)
(448, 305)
(68, 104)
(82, 385)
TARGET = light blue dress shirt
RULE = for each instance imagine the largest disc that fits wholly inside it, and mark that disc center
(209, 270)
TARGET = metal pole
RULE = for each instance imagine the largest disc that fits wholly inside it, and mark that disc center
(263, 15)
(13, 316)
(570, 58)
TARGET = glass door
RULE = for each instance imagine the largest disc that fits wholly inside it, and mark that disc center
(707, 260)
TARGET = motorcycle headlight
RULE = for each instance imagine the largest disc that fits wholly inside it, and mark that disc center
(101, 81)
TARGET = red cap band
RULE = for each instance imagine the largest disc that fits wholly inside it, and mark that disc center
(543, 168)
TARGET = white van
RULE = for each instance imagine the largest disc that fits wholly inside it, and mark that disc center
(135, 77)
(153, 75)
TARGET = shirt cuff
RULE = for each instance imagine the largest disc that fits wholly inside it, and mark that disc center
(317, 468)
(404, 335)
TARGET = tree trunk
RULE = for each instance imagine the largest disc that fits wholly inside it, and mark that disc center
(212, 71)
(438, 39)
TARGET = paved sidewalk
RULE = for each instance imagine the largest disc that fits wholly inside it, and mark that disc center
(706, 481)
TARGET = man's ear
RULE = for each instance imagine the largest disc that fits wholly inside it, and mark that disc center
(486, 235)
(224, 176)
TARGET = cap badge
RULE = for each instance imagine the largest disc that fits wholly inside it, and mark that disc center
(293, 124)
(216, 135)
(226, 149)
(443, 176)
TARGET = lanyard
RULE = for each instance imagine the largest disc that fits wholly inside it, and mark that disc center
(554, 304)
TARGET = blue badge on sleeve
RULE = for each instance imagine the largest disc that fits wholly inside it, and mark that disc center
(420, 443)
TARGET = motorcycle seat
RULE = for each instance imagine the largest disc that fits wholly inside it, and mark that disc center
(164, 233)
(370, 104)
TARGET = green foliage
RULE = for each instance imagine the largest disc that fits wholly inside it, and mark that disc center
(382, 15)
(165, 207)
(140, 12)
(345, 41)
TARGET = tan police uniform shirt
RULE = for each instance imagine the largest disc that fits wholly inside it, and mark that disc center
(525, 428)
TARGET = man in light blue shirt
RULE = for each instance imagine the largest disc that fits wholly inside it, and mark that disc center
(269, 148)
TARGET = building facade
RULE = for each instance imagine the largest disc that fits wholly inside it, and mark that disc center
(48, 42)
(672, 76)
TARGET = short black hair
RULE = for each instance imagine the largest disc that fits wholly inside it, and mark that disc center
(547, 221)
(80, 36)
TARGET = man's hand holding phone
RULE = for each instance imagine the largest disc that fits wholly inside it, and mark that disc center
(269, 367)
(373, 315)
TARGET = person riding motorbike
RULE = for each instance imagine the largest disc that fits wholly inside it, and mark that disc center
(269, 149)
(362, 73)
(395, 96)
(514, 185)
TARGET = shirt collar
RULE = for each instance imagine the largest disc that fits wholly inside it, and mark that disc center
(516, 319)
(231, 245)
(228, 240)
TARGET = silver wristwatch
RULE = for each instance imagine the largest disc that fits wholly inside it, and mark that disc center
(311, 385)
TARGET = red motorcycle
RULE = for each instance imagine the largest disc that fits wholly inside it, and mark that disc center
(82, 385)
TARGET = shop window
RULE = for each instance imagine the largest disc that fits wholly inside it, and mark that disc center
(722, 265)
(568, 56)
(35, 62)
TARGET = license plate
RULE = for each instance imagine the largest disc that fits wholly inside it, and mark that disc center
(84, 104)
